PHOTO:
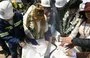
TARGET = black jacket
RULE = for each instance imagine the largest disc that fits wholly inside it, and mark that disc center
(81, 42)
(15, 31)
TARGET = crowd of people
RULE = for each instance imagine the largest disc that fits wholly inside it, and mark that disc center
(44, 28)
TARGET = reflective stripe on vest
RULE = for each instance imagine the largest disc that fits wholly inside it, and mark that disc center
(4, 34)
(9, 27)
(17, 23)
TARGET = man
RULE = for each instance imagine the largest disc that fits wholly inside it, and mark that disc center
(66, 19)
(65, 16)
(35, 25)
(11, 29)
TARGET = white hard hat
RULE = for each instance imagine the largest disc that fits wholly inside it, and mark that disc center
(45, 3)
(16, 0)
(6, 10)
(84, 1)
(60, 3)
(81, 6)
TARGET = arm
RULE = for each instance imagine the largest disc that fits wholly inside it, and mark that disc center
(3, 33)
(81, 42)
(73, 33)
(27, 31)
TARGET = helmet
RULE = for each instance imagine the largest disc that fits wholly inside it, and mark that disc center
(60, 3)
(85, 7)
(81, 6)
(6, 10)
(16, 0)
(45, 3)
(84, 1)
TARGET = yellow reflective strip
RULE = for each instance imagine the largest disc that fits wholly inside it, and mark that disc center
(9, 27)
(17, 23)
(4, 34)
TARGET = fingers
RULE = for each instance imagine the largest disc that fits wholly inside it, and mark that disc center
(62, 44)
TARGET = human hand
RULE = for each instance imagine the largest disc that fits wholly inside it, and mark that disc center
(70, 46)
(65, 40)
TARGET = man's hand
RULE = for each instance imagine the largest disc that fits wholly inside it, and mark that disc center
(66, 41)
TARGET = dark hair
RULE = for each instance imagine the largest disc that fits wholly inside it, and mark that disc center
(82, 15)
(75, 3)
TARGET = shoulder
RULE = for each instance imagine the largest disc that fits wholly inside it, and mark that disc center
(30, 9)
(18, 15)
(1, 20)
